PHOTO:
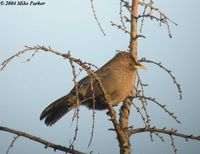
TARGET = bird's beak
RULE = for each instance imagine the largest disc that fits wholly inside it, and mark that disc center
(140, 66)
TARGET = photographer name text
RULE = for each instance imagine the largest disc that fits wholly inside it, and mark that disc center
(22, 3)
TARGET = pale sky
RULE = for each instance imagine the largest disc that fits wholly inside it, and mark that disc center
(27, 88)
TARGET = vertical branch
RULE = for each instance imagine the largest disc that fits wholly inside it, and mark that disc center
(124, 113)
(133, 39)
(76, 112)
(93, 114)
(123, 120)
(126, 107)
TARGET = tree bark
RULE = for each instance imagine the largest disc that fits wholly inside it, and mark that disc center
(124, 115)
(133, 39)
(126, 107)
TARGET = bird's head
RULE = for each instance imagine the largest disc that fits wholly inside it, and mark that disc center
(127, 59)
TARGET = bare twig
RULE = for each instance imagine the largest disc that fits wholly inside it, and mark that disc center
(142, 21)
(95, 16)
(29, 59)
(171, 114)
(162, 17)
(12, 143)
(173, 144)
(134, 37)
(159, 136)
(164, 131)
(168, 71)
(93, 113)
(76, 113)
(140, 83)
(90, 65)
(7, 61)
(121, 15)
(151, 7)
(120, 27)
(144, 103)
(141, 114)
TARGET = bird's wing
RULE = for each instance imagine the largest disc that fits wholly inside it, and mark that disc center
(84, 85)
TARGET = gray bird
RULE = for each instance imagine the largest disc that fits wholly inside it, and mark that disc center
(117, 77)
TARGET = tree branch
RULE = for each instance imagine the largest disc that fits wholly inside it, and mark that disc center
(133, 41)
(40, 140)
(123, 119)
(164, 131)
(171, 114)
(168, 71)
(125, 146)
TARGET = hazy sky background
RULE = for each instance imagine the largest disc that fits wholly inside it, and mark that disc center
(27, 88)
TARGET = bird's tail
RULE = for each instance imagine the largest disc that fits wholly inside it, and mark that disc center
(57, 109)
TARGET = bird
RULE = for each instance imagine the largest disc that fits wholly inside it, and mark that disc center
(117, 77)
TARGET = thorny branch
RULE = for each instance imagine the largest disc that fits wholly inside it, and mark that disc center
(40, 140)
(167, 70)
(173, 144)
(121, 15)
(121, 28)
(141, 114)
(95, 16)
(171, 132)
(140, 93)
(12, 143)
(126, 31)
(76, 112)
(160, 105)
(93, 113)
(144, 103)
(164, 131)
(162, 17)
(150, 12)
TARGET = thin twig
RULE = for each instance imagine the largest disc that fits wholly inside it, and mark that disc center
(76, 113)
(168, 71)
(121, 28)
(93, 113)
(121, 15)
(162, 17)
(29, 59)
(164, 131)
(141, 114)
(95, 16)
(142, 21)
(12, 143)
(159, 136)
(150, 5)
(171, 114)
(173, 144)
(144, 103)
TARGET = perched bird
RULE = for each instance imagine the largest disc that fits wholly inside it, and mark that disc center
(117, 77)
